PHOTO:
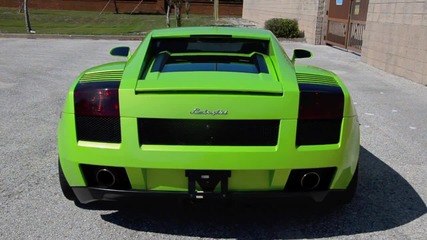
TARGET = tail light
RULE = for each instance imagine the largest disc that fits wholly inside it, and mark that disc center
(97, 99)
(320, 114)
(97, 113)
(320, 102)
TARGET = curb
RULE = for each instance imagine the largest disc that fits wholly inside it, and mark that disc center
(103, 37)
(61, 36)
(298, 40)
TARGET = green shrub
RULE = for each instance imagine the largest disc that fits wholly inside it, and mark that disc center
(283, 28)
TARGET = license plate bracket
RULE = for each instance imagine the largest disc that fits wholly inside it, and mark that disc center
(208, 180)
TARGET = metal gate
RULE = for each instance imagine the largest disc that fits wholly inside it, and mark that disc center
(346, 23)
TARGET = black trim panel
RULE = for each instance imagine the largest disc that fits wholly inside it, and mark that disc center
(98, 129)
(318, 132)
(88, 194)
(200, 132)
(277, 94)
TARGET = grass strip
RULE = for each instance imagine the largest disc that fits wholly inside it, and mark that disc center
(90, 23)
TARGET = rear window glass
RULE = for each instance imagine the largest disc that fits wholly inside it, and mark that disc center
(164, 53)
(209, 44)
(170, 63)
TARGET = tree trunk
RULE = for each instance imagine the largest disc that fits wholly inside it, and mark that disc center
(216, 9)
(21, 6)
(27, 17)
(168, 15)
(178, 14)
(116, 9)
(187, 9)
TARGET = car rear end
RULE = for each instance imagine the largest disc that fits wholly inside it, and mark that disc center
(232, 122)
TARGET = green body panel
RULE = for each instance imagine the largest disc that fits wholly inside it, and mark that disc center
(349, 109)
(165, 95)
(235, 32)
(212, 81)
(107, 67)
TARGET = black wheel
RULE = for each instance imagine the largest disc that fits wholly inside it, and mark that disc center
(345, 197)
(65, 187)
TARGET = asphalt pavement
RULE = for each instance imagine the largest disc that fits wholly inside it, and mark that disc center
(35, 75)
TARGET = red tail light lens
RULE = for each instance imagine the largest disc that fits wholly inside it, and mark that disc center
(97, 99)
(320, 114)
(320, 102)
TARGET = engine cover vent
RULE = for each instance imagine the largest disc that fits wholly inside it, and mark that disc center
(316, 79)
(113, 75)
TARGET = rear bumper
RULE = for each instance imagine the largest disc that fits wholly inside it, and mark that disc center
(162, 167)
(89, 194)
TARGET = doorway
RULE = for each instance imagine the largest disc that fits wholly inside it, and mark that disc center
(346, 23)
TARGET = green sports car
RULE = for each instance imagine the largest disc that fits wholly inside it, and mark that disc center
(208, 112)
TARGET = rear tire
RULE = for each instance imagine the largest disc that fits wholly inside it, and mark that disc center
(65, 187)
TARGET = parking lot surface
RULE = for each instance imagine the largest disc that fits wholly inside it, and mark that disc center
(35, 75)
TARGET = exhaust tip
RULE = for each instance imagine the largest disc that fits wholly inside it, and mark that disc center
(105, 178)
(310, 180)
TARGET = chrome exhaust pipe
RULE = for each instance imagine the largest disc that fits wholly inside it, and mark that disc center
(105, 178)
(310, 180)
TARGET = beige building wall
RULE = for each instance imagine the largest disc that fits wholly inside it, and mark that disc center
(309, 13)
(395, 39)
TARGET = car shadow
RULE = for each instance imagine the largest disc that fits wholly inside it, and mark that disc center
(384, 200)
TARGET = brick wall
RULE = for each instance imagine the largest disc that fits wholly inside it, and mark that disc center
(89, 5)
(395, 39)
(147, 6)
(309, 13)
(225, 9)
